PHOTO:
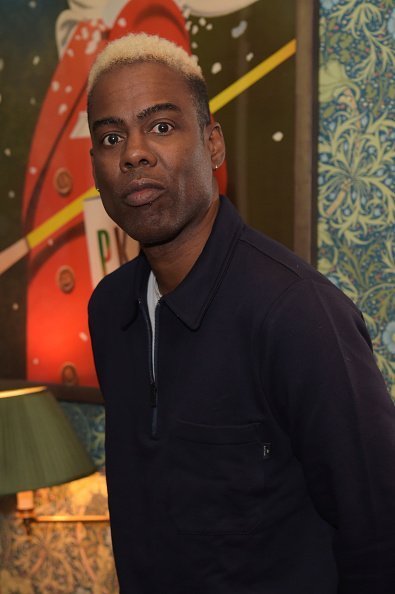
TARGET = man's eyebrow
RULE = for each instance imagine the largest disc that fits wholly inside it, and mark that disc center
(107, 122)
(156, 108)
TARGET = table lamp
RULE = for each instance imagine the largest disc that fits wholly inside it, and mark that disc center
(38, 446)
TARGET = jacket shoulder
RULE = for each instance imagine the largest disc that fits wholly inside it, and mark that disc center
(276, 270)
(277, 255)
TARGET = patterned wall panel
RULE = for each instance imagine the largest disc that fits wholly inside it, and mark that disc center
(356, 174)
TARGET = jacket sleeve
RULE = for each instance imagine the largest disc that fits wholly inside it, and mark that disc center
(323, 384)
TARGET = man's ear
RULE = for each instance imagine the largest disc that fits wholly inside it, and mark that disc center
(216, 144)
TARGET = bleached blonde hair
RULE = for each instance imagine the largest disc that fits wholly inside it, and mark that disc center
(141, 47)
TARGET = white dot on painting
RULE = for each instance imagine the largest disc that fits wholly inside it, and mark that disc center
(7, 152)
(15, 306)
(91, 46)
(32, 101)
(84, 33)
(50, 241)
(202, 21)
(70, 52)
(209, 27)
(186, 12)
(32, 3)
(249, 56)
(32, 170)
(188, 25)
(68, 89)
(83, 336)
(122, 22)
(194, 45)
(239, 30)
(55, 85)
(278, 136)
(36, 60)
(195, 29)
(96, 36)
(11, 194)
(62, 108)
(1, 64)
(36, 361)
(216, 67)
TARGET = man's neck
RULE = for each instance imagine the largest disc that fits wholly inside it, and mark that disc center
(171, 262)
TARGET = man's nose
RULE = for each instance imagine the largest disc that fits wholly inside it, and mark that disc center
(136, 153)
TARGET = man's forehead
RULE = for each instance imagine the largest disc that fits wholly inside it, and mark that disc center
(157, 108)
(145, 87)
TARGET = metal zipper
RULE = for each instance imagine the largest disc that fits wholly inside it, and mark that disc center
(152, 364)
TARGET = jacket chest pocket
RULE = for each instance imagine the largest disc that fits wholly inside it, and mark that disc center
(217, 478)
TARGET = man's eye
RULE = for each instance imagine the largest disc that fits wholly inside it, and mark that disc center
(111, 139)
(162, 128)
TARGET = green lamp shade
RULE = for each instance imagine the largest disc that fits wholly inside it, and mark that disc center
(38, 446)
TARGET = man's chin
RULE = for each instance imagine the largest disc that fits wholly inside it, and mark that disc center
(150, 238)
(157, 241)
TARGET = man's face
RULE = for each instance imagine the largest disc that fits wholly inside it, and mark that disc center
(151, 160)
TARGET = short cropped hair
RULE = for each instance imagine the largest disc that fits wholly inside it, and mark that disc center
(141, 47)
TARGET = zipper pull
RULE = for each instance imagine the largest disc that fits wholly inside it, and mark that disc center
(154, 395)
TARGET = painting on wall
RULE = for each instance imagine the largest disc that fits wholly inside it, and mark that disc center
(56, 240)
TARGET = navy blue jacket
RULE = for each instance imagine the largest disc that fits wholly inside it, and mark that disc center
(261, 459)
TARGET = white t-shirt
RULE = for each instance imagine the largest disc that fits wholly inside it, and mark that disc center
(153, 296)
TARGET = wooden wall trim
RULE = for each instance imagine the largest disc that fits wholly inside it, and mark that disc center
(306, 126)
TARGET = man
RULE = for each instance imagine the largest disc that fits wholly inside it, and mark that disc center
(250, 439)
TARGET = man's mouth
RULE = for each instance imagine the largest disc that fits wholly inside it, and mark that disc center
(142, 192)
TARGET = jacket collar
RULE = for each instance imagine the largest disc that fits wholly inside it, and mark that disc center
(191, 299)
